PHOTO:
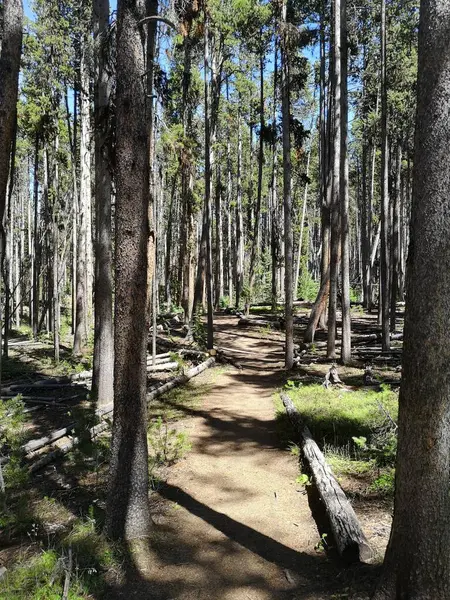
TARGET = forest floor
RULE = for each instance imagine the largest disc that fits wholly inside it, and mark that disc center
(230, 519)
(232, 523)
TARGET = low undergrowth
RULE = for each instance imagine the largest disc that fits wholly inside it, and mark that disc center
(51, 524)
(356, 431)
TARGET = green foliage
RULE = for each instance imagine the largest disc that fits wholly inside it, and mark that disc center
(224, 302)
(303, 479)
(166, 445)
(12, 417)
(356, 429)
(42, 576)
(198, 331)
(307, 286)
(384, 484)
(335, 415)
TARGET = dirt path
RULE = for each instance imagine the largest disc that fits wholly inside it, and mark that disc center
(238, 526)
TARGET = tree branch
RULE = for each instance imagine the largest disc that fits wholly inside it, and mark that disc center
(158, 18)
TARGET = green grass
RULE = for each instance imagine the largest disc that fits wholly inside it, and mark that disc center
(352, 428)
(335, 416)
(41, 576)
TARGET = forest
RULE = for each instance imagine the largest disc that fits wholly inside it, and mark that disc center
(224, 299)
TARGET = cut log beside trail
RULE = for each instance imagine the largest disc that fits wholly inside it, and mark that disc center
(351, 542)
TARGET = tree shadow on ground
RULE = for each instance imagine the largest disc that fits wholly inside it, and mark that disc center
(244, 563)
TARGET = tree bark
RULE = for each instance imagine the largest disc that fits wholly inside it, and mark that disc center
(417, 564)
(209, 162)
(84, 213)
(127, 505)
(335, 224)
(287, 174)
(384, 262)
(344, 202)
(10, 53)
(103, 367)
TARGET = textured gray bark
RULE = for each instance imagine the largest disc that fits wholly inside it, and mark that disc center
(9, 79)
(335, 229)
(103, 368)
(127, 506)
(417, 565)
(255, 250)
(287, 193)
(83, 289)
(239, 219)
(384, 263)
(209, 164)
(344, 201)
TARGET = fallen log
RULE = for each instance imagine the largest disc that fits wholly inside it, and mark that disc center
(102, 412)
(350, 540)
(37, 444)
(246, 322)
(167, 366)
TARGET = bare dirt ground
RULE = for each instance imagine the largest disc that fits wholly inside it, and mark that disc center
(232, 523)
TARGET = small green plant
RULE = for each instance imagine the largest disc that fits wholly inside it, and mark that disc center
(12, 417)
(303, 479)
(294, 449)
(198, 331)
(224, 302)
(166, 446)
(322, 544)
(384, 484)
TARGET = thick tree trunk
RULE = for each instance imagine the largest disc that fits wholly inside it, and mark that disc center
(11, 48)
(209, 164)
(254, 254)
(239, 219)
(103, 367)
(417, 564)
(127, 514)
(335, 220)
(84, 215)
(188, 239)
(384, 262)
(287, 192)
(343, 182)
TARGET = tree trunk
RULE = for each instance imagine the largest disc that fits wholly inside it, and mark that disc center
(287, 192)
(127, 513)
(417, 564)
(302, 224)
(239, 219)
(335, 225)
(103, 367)
(10, 53)
(384, 263)
(395, 246)
(219, 241)
(209, 162)
(254, 255)
(84, 214)
(318, 312)
(343, 181)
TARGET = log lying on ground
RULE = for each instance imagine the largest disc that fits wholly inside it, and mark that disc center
(167, 366)
(104, 412)
(350, 540)
(247, 322)
(375, 336)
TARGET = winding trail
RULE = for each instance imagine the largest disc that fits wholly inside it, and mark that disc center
(234, 524)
